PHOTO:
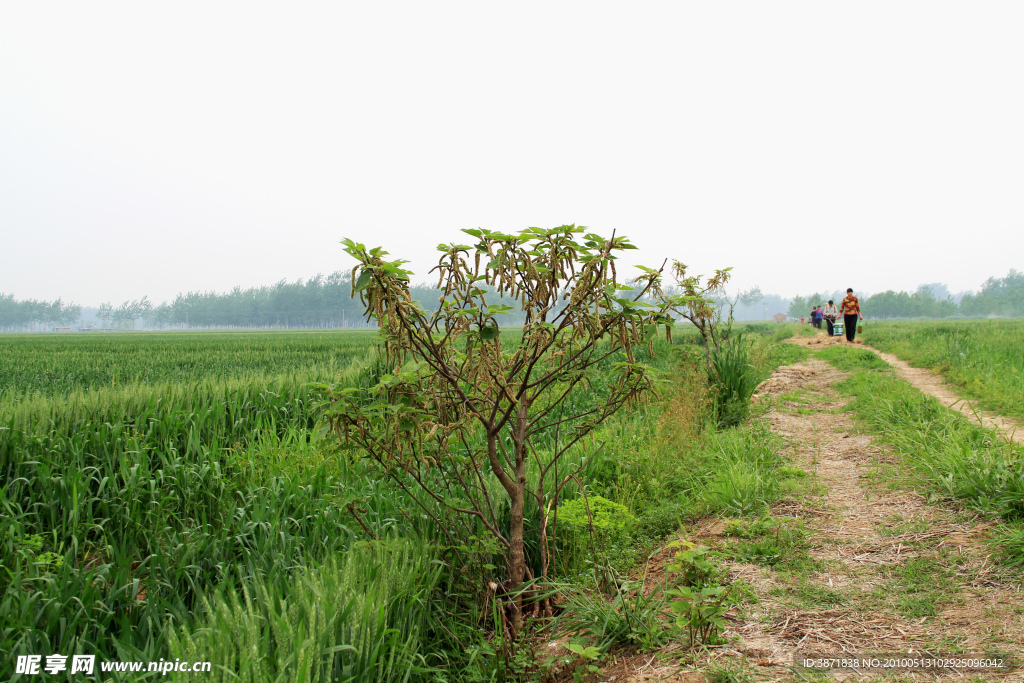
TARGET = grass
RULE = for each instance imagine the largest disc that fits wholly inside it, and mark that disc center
(902, 527)
(937, 448)
(920, 585)
(148, 481)
(54, 365)
(362, 616)
(167, 495)
(982, 357)
(769, 542)
(801, 593)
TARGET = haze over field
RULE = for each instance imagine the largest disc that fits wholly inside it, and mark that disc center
(152, 150)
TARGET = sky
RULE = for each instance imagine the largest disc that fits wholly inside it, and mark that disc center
(158, 148)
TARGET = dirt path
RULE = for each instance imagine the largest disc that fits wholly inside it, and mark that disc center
(932, 383)
(873, 569)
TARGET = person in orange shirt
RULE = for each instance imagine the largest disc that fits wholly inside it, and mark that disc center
(850, 310)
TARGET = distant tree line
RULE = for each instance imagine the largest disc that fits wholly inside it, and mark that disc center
(30, 314)
(998, 296)
(319, 302)
(324, 302)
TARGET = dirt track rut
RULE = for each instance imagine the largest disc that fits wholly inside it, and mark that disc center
(932, 383)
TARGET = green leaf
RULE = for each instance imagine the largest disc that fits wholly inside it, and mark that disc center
(489, 333)
(364, 280)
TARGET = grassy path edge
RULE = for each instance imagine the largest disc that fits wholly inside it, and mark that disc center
(933, 384)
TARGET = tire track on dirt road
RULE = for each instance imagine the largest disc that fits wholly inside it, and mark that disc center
(895, 574)
(933, 384)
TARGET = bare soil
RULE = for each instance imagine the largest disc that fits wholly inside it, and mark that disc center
(888, 573)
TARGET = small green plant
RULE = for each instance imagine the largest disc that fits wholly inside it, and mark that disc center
(49, 561)
(768, 542)
(31, 548)
(766, 552)
(745, 479)
(760, 527)
(697, 599)
(694, 566)
(701, 612)
(739, 490)
(589, 656)
(812, 595)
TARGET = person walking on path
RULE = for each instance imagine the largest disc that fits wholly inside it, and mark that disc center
(850, 310)
(830, 313)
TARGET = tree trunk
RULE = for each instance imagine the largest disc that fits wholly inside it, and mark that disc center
(517, 556)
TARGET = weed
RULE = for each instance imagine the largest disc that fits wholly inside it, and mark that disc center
(902, 527)
(770, 542)
(733, 377)
(794, 472)
(588, 658)
(728, 673)
(798, 396)
(850, 359)
(694, 566)
(747, 471)
(812, 595)
(701, 612)
(920, 584)
(1009, 540)
(633, 618)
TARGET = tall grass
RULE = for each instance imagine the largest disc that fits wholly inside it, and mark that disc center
(167, 494)
(983, 357)
(55, 364)
(363, 616)
(733, 380)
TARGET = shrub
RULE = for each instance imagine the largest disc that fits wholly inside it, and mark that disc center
(607, 517)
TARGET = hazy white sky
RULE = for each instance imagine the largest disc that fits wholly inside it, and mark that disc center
(152, 148)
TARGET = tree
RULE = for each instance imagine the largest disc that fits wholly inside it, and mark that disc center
(105, 314)
(799, 308)
(698, 304)
(459, 407)
(751, 296)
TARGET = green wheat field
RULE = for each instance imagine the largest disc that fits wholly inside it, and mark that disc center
(172, 495)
